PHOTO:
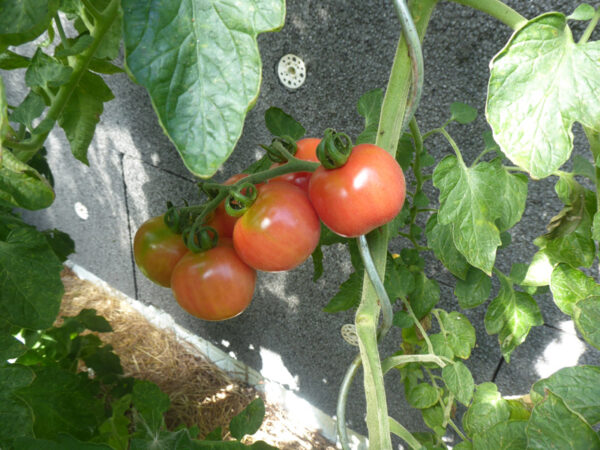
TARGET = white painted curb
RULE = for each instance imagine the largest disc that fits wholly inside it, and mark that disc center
(297, 409)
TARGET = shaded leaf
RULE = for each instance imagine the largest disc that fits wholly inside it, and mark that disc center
(463, 113)
(151, 403)
(281, 124)
(502, 436)
(554, 425)
(511, 315)
(10, 347)
(82, 113)
(61, 243)
(76, 46)
(21, 185)
(539, 86)
(439, 238)
(17, 418)
(23, 20)
(478, 203)
(425, 295)
(421, 395)
(45, 71)
(115, 429)
(569, 285)
(348, 295)
(11, 60)
(458, 332)
(587, 317)
(584, 168)
(583, 12)
(249, 420)
(62, 442)
(31, 108)
(578, 387)
(201, 65)
(488, 409)
(474, 290)
(26, 263)
(369, 107)
(459, 381)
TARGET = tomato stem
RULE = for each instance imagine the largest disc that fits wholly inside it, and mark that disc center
(590, 28)
(399, 430)
(593, 138)
(498, 10)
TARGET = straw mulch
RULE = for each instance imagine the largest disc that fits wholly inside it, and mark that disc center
(201, 394)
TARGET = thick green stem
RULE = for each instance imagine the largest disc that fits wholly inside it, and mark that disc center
(398, 429)
(590, 28)
(497, 9)
(392, 118)
(594, 140)
(401, 360)
(25, 150)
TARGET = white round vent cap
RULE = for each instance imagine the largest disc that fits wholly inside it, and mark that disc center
(291, 71)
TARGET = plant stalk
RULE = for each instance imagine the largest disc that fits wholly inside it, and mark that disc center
(593, 138)
(498, 10)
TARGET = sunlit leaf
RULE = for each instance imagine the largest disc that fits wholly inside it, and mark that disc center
(201, 66)
(587, 318)
(569, 285)
(369, 107)
(540, 84)
(459, 381)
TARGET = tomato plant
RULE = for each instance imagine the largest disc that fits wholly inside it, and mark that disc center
(157, 250)
(214, 284)
(307, 151)
(279, 231)
(222, 222)
(366, 192)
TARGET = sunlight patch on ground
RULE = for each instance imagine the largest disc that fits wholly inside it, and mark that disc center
(563, 351)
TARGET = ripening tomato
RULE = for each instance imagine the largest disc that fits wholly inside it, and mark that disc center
(157, 249)
(307, 151)
(222, 222)
(365, 193)
(279, 231)
(215, 284)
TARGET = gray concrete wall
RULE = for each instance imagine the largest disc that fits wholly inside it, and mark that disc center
(348, 49)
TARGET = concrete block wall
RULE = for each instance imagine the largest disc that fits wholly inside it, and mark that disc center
(348, 49)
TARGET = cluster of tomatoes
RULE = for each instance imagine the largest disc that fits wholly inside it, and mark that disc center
(278, 232)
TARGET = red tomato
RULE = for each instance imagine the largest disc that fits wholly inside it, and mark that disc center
(213, 285)
(157, 249)
(222, 222)
(307, 151)
(365, 193)
(279, 231)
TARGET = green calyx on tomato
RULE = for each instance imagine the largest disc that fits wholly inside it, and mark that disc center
(333, 151)
(157, 250)
(365, 193)
(215, 284)
(279, 231)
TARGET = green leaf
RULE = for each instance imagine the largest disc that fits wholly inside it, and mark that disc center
(462, 113)
(10, 347)
(459, 381)
(31, 108)
(26, 263)
(421, 395)
(63, 442)
(76, 46)
(587, 317)
(82, 112)
(596, 227)
(583, 12)
(511, 315)
(249, 420)
(404, 153)
(348, 295)
(61, 243)
(578, 387)
(24, 20)
(317, 259)
(539, 86)
(576, 249)
(399, 281)
(369, 107)
(259, 165)
(474, 290)
(439, 238)
(488, 409)
(282, 124)
(502, 436)
(539, 270)
(110, 44)
(5, 130)
(45, 71)
(554, 425)
(115, 430)
(151, 403)
(102, 66)
(433, 417)
(17, 418)
(62, 402)
(441, 347)
(402, 319)
(11, 60)
(201, 65)
(569, 285)
(478, 203)
(21, 185)
(459, 333)
(584, 168)
(425, 295)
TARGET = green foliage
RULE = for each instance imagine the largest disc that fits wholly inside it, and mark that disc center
(462, 113)
(281, 124)
(538, 74)
(212, 79)
(369, 106)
